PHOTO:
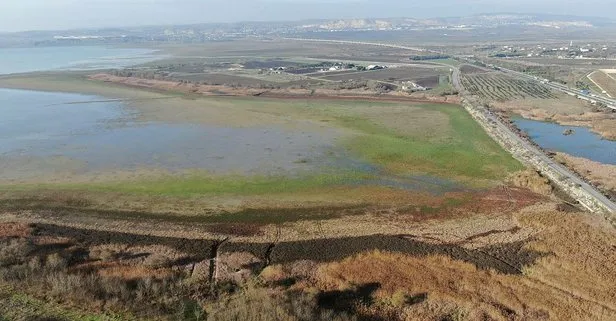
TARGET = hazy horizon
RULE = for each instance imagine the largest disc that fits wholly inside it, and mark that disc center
(72, 14)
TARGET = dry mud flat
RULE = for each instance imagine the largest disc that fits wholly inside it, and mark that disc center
(352, 212)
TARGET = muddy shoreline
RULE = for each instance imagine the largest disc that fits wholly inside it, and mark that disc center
(124, 88)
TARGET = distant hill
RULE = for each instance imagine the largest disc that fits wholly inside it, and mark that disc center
(475, 21)
(225, 31)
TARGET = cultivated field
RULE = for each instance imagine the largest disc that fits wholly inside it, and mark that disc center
(287, 49)
(605, 81)
(470, 69)
(501, 87)
(392, 74)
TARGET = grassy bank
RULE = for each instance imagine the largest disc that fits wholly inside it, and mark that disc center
(464, 152)
(204, 184)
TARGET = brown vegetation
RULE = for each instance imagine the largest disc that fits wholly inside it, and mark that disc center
(601, 175)
(531, 180)
(567, 283)
(360, 92)
(532, 264)
(470, 69)
(564, 110)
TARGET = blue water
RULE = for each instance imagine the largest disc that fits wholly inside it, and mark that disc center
(582, 143)
(20, 60)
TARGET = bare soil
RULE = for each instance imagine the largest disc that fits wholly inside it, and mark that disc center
(470, 69)
(389, 74)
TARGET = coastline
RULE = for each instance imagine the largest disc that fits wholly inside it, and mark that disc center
(72, 82)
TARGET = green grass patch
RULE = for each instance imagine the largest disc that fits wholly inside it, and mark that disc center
(468, 153)
(203, 184)
(16, 306)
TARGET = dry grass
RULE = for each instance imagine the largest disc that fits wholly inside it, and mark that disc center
(442, 280)
(14, 230)
(603, 175)
(583, 256)
(128, 273)
(604, 81)
(543, 109)
(576, 281)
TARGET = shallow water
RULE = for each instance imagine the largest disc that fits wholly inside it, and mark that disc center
(59, 136)
(83, 133)
(582, 143)
(20, 60)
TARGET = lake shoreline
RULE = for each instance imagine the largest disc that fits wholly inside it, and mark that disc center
(601, 175)
(565, 111)
(578, 141)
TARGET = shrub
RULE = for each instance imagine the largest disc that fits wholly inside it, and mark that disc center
(14, 251)
(103, 254)
(56, 262)
(399, 299)
(191, 311)
(256, 304)
(157, 261)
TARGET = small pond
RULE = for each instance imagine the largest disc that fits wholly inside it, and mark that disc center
(581, 143)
